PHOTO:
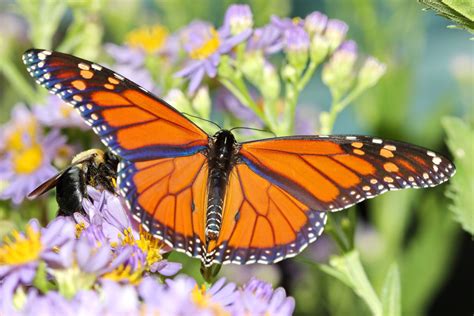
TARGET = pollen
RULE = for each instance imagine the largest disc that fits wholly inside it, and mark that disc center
(79, 228)
(208, 48)
(19, 249)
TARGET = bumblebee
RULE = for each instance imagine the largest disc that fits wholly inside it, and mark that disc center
(93, 167)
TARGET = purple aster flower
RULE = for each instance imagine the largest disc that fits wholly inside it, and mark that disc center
(266, 39)
(296, 40)
(21, 253)
(194, 300)
(258, 298)
(204, 45)
(238, 19)
(335, 32)
(107, 220)
(315, 22)
(52, 303)
(120, 299)
(26, 154)
(90, 258)
(56, 113)
(338, 72)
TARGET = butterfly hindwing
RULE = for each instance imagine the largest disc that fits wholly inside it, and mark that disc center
(129, 120)
(262, 223)
(168, 196)
(330, 173)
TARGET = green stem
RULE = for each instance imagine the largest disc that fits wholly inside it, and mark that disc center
(239, 90)
(293, 91)
(337, 107)
(291, 99)
(308, 74)
(18, 81)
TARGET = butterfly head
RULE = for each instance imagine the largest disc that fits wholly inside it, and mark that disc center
(224, 141)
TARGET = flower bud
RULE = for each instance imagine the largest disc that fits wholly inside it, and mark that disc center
(371, 72)
(338, 73)
(315, 23)
(335, 32)
(289, 73)
(252, 66)
(319, 48)
(270, 84)
(296, 47)
(238, 18)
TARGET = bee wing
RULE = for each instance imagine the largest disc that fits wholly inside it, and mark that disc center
(51, 182)
(47, 185)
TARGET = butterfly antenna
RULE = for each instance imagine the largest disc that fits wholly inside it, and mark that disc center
(254, 129)
(203, 119)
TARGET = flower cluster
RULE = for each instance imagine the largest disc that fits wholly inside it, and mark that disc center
(26, 154)
(99, 260)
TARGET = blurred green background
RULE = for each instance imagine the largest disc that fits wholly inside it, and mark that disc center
(425, 96)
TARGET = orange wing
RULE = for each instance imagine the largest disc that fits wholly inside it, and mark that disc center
(168, 196)
(262, 222)
(132, 122)
(334, 172)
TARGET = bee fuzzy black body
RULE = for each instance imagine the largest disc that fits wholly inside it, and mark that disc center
(93, 167)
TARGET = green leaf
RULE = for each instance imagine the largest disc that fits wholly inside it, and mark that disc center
(460, 136)
(391, 301)
(460, 12)
(348, 269)
(41, 279)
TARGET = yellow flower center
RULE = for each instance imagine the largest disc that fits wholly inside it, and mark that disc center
(147, 243)
(151, 39)
(28, 160)
(124, 273)
(208, 48)
(203, 300)
(200, 297)
(20, 249)
(15, 141)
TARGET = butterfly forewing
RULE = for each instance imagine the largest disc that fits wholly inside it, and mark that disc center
(335, 172)
(132, 122)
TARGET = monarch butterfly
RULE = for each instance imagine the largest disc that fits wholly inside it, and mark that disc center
(214, 198)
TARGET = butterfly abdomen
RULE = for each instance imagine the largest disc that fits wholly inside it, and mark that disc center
(220, 164)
